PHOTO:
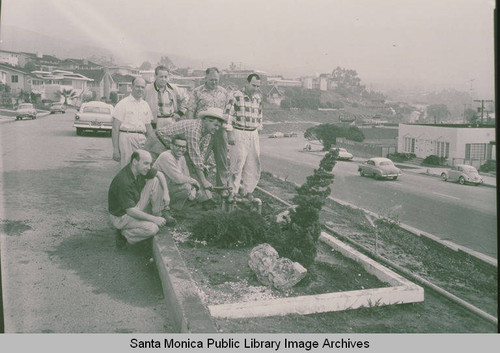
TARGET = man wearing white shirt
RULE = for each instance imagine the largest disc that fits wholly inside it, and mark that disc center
(131, 123)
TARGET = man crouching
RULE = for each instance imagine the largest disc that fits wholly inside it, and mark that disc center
(136, 187)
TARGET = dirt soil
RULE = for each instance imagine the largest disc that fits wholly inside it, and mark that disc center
(224, 276)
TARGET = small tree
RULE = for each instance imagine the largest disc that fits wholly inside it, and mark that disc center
(67, 94)
(113, 97)
(298, 239)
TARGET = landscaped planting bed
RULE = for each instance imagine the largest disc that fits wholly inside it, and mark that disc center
(223, 276)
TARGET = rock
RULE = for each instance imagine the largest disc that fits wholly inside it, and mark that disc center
(270, 269)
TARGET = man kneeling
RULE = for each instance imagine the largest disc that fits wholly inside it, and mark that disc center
(133, 190)
(182, 187)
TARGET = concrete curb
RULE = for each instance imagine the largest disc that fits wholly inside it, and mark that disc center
(448, 244)
(180, 292)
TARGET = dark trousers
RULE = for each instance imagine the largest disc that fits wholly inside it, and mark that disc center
(221, 156)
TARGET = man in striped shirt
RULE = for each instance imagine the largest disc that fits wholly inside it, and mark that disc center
(211, 95)
(244, 110)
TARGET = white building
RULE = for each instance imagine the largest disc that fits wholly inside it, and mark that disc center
(459, 144)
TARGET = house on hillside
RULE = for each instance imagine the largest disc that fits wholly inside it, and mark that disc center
(124, 70)
(9, 57)
(41, 61)
(16, 78)
(48, 84)
(78, 64)
(123, 84)
(275, 96)
(457, 143)
(102, 83)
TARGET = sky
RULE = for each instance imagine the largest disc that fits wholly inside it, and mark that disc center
(432, 43)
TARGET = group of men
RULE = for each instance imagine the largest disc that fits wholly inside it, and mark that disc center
(164, 143)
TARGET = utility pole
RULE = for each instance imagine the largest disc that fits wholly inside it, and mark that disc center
(482, 106)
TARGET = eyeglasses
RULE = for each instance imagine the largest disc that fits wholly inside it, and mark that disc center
(180, 146)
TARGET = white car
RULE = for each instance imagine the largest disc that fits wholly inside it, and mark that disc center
(462, 174)
(94, 116)
(25, 110)
(379, 168)
(276, 135)
(343, 154)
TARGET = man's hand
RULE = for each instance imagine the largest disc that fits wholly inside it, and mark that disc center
(166, 200)
(176, 117)
(195, 183)
(207, 185)
(116, 155)
(160, 221)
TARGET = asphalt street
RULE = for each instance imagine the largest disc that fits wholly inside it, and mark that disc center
(463, 214)
(61, 271)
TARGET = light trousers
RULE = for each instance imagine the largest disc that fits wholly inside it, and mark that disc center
(137, 230)
(128, 143)
(244, 158)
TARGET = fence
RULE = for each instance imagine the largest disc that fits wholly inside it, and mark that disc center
(368, 150)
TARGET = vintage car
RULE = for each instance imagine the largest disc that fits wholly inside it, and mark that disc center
(57, 108)
(343, 154)
(276, 135)
(94, 116)
(462, 174)
(25, 110)
(379, 168)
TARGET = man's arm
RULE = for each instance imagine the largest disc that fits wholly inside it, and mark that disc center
(229, 112)
(149, 131)
(143, 216)
(164, 186)
(115, 138)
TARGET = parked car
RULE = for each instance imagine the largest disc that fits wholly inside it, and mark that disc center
(379, 168)
(343, 154)
(291, 134)
(462, 174)
(57, 108)
(276, 135)
(25, 110)
(94, 116)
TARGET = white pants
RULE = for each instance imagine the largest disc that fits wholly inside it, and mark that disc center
(244, 157)
(136, 230)
(128, 143)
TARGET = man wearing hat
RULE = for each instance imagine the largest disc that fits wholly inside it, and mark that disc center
(197, 133)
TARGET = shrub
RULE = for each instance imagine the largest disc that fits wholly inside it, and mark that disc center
(400, 157)
(297, 240)
(489, 166)
(230, 229)
(434, 160)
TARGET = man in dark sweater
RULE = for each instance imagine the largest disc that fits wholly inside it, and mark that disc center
(138, 200)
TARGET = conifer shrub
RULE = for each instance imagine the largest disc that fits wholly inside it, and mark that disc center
(239, 228)
(297, 239)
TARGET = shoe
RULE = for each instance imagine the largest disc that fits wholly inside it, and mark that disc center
(170, 220)
(120, 240)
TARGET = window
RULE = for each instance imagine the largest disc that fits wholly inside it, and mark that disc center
(409, 145)
(442, 149)
(475, 151)
(15, 78)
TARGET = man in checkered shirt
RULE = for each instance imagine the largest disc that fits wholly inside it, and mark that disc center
(197, 133)
(244, 111)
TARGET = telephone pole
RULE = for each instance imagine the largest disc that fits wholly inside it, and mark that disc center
(482, 106)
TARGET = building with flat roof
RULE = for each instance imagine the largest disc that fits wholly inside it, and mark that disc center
(457, 143)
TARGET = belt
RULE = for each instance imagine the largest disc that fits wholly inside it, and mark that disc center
(245, 128)
(165, 116)
(133, 132)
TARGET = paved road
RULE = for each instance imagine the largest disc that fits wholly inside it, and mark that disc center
(465, 215)
(61, 271)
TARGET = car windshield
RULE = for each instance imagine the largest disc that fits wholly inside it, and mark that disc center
(24, 106)
(386, 163)
(99, 110)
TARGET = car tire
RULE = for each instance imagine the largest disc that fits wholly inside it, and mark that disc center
(444, 177)
(361, 173)
(79, 132)
(461, 180)
(377, 176)
(34, 118)
(395, 177)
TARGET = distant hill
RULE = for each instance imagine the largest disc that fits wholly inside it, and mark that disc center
(22, 40)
